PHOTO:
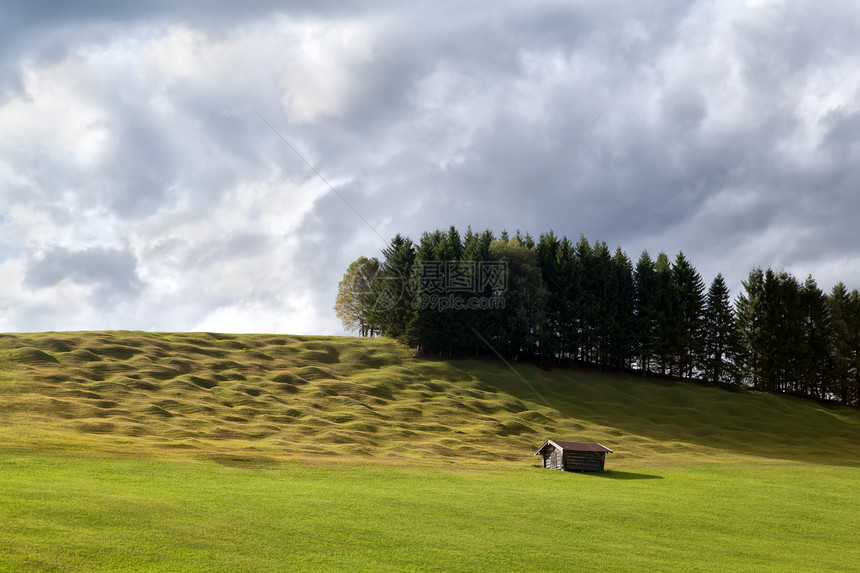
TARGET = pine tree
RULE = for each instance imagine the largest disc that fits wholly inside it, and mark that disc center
(623, 298)
(476, 252)
(571, 287)
(690, 293)
(396, 311)
(750, 319)
(603, 315)
(523, 317)
(667, 313)
(844, 343)
(453, 325)
(818, 338)
(645, 299)
(547, 251)
(850, 393)
(782, 332)
(427, 328)
(720, 340)
(586, 302)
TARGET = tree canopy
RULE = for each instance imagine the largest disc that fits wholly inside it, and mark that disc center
(563, 303)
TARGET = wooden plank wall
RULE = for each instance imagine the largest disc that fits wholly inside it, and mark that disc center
(584, 461)
(555, 459)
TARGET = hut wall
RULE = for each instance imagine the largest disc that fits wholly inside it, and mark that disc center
(554, 462)
(584, 461)
(552, 459)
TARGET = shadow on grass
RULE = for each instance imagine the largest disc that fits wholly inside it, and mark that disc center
(682, 411)
(243, 461)
(611, 474)
(616, 474)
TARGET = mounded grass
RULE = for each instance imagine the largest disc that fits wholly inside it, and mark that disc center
(208, 452)
(294, 397)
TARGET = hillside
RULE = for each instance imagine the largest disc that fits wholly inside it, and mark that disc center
(259, 398)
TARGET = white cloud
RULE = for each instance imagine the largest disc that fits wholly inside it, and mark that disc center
(53, 115)
(322, 71)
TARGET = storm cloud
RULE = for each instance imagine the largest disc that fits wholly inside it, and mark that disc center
(144, 181)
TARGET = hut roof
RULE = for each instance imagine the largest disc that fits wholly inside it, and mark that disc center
(574, 446)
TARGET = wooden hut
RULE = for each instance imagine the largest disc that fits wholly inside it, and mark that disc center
(573, 456)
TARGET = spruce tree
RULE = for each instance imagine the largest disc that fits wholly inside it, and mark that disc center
(690, 293)
(579, 303)
(818, 338)
(844, 342)
(427, 328)
(604, 315)
(782, 332)
(571, 287)
(623, 298)
(523, 317)
(645, 299)
(750, 323)
(586, 303)
(720, 337)
(850, 393)
(668, 316)
(551, 266)
(476, 253)
(395, 271)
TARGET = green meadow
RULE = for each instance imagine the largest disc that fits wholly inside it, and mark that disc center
(204, 452)
(90, 514)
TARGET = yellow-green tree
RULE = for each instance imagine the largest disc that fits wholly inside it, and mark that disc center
(354, 305)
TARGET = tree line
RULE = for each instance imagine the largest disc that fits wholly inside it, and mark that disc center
(558, 302)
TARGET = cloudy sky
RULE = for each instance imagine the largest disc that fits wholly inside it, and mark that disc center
(147, 179)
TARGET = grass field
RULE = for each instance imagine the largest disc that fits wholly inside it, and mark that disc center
(200, 452)
(110, 515)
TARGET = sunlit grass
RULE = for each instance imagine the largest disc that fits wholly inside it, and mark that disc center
(203, 452)
(89, 514)
(297, 397)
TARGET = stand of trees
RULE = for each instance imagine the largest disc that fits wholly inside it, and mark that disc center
(558, 302)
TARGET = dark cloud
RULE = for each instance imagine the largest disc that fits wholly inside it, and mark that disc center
(728, 132)
(225, 249)
(54, 13)
(112, 273)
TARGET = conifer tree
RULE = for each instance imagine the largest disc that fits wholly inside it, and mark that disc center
(571, 288)
(720, 338)
(547, 252)
(569, 303)
(690, 296)
(645, 299)
(844, 344)
(476, 253)
(782, 330)
(427, 328)
(586, 304)
(817, 356)
(394, 283)
(750, 322)
(623, 298)
(667, 313)
(850, 392)
(522, 319)
(605, 307)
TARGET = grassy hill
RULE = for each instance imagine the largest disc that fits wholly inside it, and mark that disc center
(126, 451)
(261, 398)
